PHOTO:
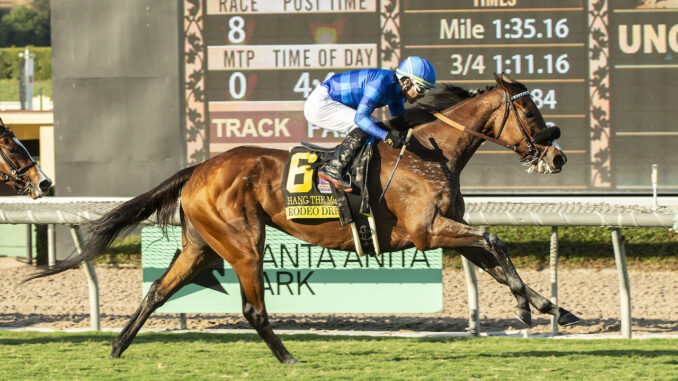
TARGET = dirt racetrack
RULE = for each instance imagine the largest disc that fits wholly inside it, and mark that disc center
(62, 301)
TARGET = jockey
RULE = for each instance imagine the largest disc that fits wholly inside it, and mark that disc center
(345, 102)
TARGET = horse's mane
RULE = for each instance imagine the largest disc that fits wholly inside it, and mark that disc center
(441, 98)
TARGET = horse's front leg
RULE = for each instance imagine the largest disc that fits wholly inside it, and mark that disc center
(481, 258)
(485, 250)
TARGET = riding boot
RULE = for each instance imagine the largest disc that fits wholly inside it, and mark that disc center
(333, 171)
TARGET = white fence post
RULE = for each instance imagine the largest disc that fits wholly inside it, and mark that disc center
(553, 262)
(29, 244)
(95, 320)
(51, 246)
(472, 287)
(624, 283)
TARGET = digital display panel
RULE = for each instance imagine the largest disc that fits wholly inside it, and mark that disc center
(601, 70)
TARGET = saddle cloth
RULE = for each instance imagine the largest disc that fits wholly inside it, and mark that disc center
(305, 195)
(308, 198)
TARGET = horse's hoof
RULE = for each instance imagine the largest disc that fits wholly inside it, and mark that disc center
(568, 318)
(525, 316)
(116, 351)
(291, 361)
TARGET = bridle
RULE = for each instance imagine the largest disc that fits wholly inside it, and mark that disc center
(532, 155)
(18, 177)
(529, 156)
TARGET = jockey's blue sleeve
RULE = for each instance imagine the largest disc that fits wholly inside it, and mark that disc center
(397, 108)
(366, 108)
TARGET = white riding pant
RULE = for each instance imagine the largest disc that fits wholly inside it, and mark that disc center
(323, 111)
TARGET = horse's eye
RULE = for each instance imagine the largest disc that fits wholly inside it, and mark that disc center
(14, 150)
(529, 114)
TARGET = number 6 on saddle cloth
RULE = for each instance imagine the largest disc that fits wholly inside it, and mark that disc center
(308, 198)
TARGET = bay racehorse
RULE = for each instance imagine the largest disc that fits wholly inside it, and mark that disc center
(226, 201)
(17, 167)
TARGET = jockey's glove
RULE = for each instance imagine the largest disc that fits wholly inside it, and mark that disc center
(393, 139)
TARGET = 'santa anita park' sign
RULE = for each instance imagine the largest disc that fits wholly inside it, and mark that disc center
(302, 278)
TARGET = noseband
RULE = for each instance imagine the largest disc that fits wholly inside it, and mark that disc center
(21, 184)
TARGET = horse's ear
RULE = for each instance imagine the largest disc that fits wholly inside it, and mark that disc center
(500, 81)
(507, 78)
(2, 124)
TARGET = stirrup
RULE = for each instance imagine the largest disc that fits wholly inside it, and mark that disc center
(348, 188)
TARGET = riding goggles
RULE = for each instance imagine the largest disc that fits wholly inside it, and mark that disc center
(421, 89)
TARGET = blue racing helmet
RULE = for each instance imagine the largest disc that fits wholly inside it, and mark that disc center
(419, 70)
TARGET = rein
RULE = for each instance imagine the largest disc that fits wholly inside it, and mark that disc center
(530, 154)
(17, 175)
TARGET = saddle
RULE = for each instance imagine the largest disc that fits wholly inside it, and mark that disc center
(308, 199)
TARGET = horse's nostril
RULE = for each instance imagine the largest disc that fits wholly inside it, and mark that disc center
(44, 185)
(559, 161)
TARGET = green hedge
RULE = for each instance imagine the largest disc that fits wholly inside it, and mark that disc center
(585, 246)
(9, 89)
(10, 62)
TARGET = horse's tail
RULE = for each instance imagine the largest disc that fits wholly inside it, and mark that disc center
(161, 200)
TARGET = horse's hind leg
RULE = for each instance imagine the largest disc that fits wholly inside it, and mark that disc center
(192, 259)
(250, 275)
(486, 261)
(240, 240)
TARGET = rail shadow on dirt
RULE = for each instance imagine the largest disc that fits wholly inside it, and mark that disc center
(339, 322)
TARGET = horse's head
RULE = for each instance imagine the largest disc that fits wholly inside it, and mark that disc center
(523, 126)
(17, 167)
